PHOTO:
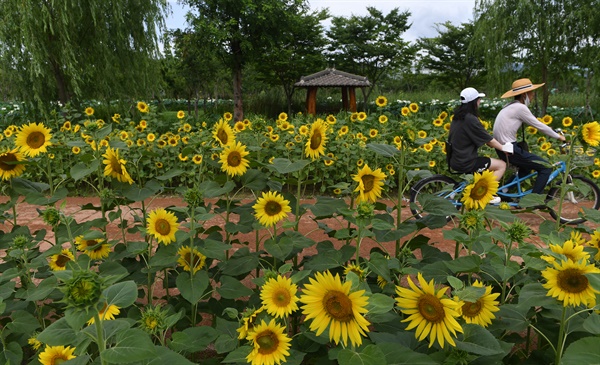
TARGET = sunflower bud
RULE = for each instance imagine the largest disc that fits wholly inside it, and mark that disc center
(193, 197)
(472, 220)
(83, 290)
(51, 216)
(365, 210)
(518, 231)
(153, 320)
(20, 241)
(106, 194)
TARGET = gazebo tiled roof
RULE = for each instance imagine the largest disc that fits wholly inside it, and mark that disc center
(330, 77)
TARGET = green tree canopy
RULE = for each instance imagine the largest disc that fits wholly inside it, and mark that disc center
(70, 49)
(538, 39)
(449, 58)
(370, 45)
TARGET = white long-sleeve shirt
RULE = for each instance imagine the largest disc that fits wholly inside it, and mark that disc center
(509, 120)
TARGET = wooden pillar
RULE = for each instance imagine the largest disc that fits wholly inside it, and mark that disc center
(311, 100)
(344, 97)
(353, 100)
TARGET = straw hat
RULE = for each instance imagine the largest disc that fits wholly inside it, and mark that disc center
(521, 86)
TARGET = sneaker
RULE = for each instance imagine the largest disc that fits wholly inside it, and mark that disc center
(495, 200)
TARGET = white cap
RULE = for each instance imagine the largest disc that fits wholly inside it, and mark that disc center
(469, 94)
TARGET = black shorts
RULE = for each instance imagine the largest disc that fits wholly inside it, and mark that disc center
(482, 164)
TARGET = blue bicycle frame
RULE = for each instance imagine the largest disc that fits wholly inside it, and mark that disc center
(559, 168)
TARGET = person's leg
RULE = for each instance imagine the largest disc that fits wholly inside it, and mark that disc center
(526, 162)
(498, 167)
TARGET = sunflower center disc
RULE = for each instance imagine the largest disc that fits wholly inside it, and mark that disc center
(431, 308)
(572, 281)
(267, 342)
(5, 162)
(470, 309)
(234, 159)
(368, 182)
(116, 166)
(192, 259)
(35, 140)
(282, 297)
(479, 191)
(272, 208)
(162, 227)
(315, 141)
(62, 260)
(338, 306)
(223, 137)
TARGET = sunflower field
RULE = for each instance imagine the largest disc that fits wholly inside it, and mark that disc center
(229, 276)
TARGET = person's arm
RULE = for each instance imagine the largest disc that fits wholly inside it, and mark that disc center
(495, 144)
(530, 119)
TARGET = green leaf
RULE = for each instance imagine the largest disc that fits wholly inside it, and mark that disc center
(396, 354)
(369, 355)
(215, 249)
(58, 333)
(211, 189)
(285, 166)
(592, 323)
(327, 207)
(40, 292)
(242, 262)
(23, 322)
(380, 303)
(583, 351)
(238, 355)
(121, 294)
(254, 180)
(132, 345)
(435, 205)
(193, 339)
(478, 340)
(80, 170)
(12, 354)
(281, 249)
(464, 264)
(225, 343)
(383, 149)
(192, 287)
(232, 288)
(170, 174)
(535, 295)
(165, 355)
(379, 265)
(503, 269)
(594, 279)
(136, 194)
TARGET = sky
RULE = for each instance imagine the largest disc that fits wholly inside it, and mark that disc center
(424, 13)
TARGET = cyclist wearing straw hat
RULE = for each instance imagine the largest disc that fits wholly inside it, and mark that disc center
(508, 122)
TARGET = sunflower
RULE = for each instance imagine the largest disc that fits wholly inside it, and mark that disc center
(317, 138)
(33, 139)
(227, 116)
(143, 107)
(331, 119)
(428, 147)
(115, 166)
(331, 304)
(566, 281)
(34, 342)
(162, 225)
(249, 319)
(354, 117)
(567, 121)
(383, 119)
(422, 134)
(369, 184)
(414, 107)
(438, 122)
(431, 164)
(282, 116)
(531, 130)
(59, 261)
(429, 312)
(11, 164)
(233, 160)
(190, 259)
(197, 159)
(278, 296)
(356, 269)
(270, 344)
(107, 313)
(223, 133)
(271, 208)
(361, 116)
(54, 355)
(381, 101)
(180, 114)
(551, 152)
(590, 133)
(373, 133)
(547, 119)
(89, 111)
(596, 174)
(570, 249)
(151, 137)
(443, 115)
(96, 249)
(478, 194)
(481, 311)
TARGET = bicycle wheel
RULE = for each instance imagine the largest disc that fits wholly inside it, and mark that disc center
(582, 193)
(439, 185)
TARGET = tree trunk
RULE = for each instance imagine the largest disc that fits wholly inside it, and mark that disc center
(61, 86)
(238, 105)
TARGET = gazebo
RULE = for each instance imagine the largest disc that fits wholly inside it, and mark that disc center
(330, 77)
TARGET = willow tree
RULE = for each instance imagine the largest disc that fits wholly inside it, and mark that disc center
(538, 39)
(72, 49)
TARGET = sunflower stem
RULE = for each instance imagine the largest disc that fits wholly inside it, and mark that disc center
(561, 337)
(101, 341)
(563, 186)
